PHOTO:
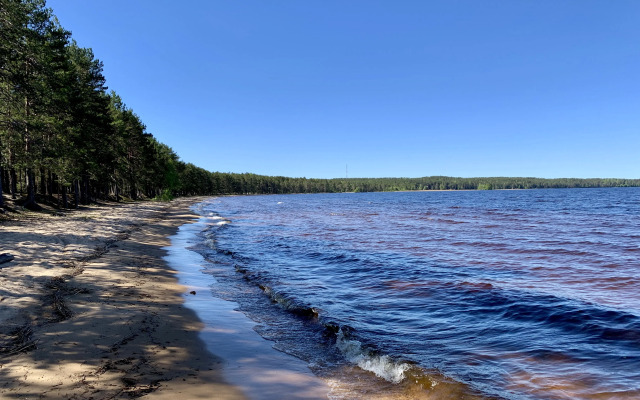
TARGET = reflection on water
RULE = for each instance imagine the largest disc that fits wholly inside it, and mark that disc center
(513, 294)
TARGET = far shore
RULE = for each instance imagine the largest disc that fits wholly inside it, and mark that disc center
(90, 310)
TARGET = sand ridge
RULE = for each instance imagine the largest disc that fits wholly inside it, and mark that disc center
(89, 309)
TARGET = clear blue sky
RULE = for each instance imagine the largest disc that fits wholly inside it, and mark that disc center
(391, 88)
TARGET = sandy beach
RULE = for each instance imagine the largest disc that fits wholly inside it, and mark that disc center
(90, 310)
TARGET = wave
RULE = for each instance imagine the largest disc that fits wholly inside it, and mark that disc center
(587, 320)
(209, 234)
(449, 221)
(285, 301)
(382, 366)
(353, 350)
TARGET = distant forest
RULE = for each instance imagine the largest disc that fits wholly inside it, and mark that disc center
(66, 140)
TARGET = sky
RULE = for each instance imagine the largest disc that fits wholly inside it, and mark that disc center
(368, 88)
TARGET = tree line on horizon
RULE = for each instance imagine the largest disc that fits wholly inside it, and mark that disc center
(66, 140)
(201, 182)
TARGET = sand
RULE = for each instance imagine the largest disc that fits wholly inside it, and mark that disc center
(90, 310)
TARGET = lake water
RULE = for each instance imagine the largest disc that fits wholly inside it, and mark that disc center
(529, 294)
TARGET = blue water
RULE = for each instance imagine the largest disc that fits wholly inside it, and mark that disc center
(529, 294)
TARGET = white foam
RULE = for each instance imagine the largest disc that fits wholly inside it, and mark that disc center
(383, 366)
(217, 220)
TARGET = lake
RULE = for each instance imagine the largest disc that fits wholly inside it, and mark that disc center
(523, 294)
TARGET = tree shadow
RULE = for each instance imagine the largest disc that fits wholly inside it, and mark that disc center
(114, 326)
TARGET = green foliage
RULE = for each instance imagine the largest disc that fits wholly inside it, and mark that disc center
(56, 117)
(197, 181)
(166, 195)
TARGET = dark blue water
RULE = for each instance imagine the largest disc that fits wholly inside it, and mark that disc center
(530, 294)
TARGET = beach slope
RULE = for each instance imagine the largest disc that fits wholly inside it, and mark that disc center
(89, 308)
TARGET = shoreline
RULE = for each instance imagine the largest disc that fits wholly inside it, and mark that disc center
(90, 309)
(250, 362)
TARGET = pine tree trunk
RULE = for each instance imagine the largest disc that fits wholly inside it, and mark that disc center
(76, 192)
(50, 180)
(4, 177)
(14, 183)
(83, 191)
(1, 178)
(65, 202)
(86, 196)
(43, 182)
(31, 191)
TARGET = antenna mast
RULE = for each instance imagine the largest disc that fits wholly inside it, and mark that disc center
(346, 171)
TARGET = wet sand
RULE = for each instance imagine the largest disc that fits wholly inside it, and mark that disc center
(90, 310)
(250, 362)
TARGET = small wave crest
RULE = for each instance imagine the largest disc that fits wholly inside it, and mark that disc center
(353, 350)
(288, 303)
(210, 243)
(215, 222)
(218, 220)
(381, 365)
